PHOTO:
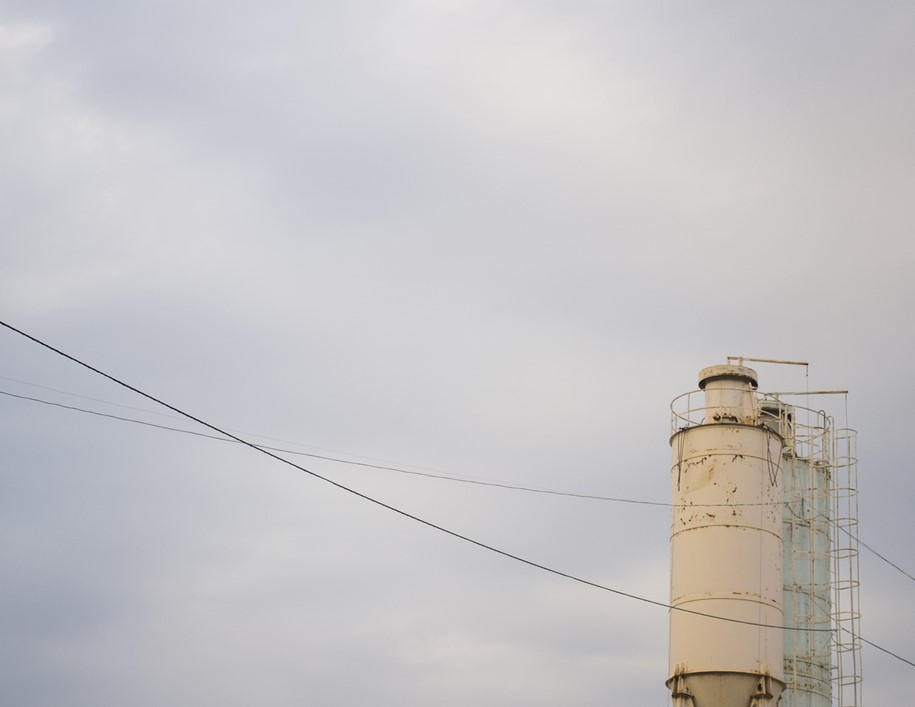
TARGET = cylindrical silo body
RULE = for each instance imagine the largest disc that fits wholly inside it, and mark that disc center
(726, 551)
(807, 543)
(807, 588)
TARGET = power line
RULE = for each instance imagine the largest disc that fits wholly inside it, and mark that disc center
(882, 557)
(430, 475)
(865, 545)
(881, 648)
(343, 460)
(399, 511)
(84, 397)
(428, 523)
(386, 467)
(157, 413)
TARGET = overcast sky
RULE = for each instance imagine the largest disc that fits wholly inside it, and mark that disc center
(489, 239)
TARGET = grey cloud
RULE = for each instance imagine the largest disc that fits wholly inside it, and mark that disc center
(487, 239)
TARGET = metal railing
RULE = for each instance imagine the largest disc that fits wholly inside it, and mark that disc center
(689, 410)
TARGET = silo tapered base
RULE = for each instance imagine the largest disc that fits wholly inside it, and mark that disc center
(721, 689)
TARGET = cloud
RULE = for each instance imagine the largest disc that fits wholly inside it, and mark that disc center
(490, 239)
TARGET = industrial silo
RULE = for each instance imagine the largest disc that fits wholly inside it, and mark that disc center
(807, 539)
(725, 546)
(764, 548)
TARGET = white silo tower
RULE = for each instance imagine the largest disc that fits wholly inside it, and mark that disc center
(726, 546)
(807, 537)
(821, 597)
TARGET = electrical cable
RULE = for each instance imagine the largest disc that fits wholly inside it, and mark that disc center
(87, 397)
(412, 472)
(839, 526)
(882, 557)
(423, 521)
(385, 467)
(157, 413)
(881, 648)
(395, 509)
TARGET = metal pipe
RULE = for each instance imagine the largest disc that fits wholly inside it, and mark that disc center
(740, 359)
(812, 392)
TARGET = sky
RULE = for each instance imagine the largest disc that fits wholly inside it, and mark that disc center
(484, 239)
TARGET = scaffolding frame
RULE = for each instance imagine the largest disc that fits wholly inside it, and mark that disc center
(821, 501)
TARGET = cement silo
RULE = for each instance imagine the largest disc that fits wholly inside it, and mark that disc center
(807, 536)
(726, 546)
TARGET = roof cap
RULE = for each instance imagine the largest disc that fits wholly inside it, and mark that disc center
(727, 370)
